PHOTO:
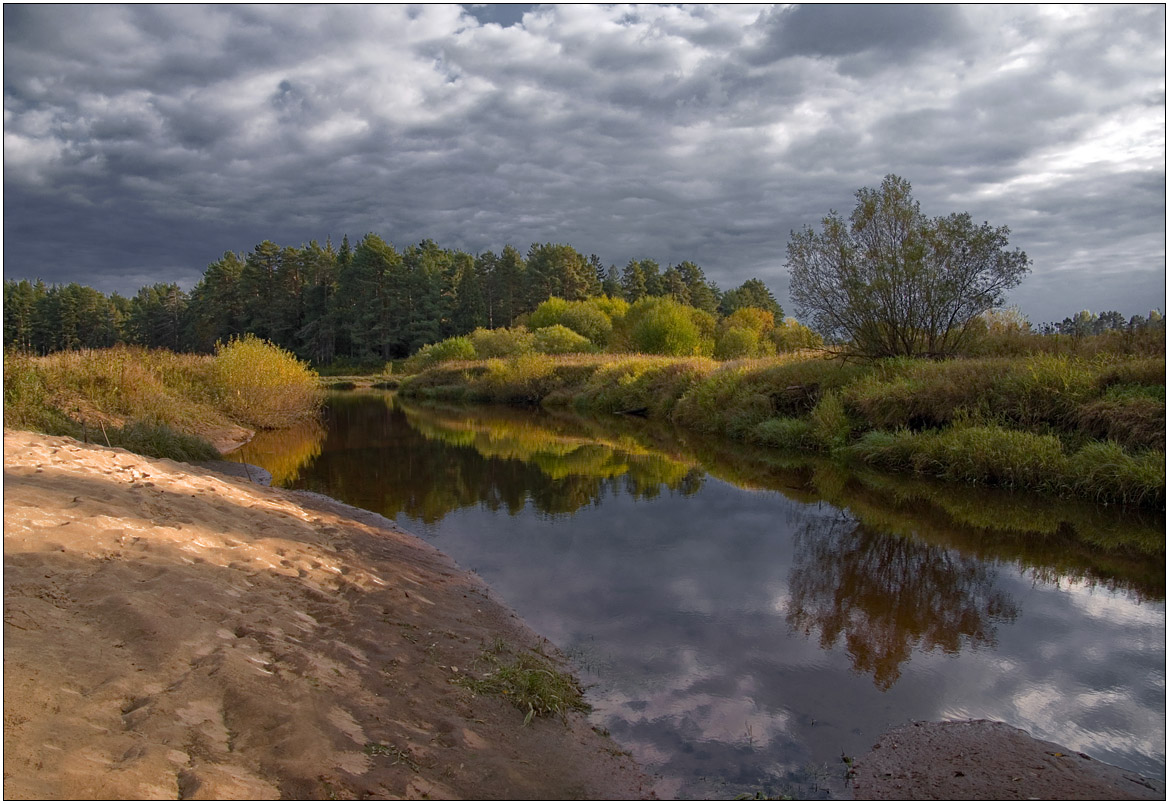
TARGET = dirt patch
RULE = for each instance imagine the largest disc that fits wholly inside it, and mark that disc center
(174, 632)
(983, 759)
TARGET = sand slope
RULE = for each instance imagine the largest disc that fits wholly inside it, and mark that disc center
(173, 632)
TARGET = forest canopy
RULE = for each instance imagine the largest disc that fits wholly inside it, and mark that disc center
(360, 303)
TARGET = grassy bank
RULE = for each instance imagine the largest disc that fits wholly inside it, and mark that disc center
(158, 403)
(1085, 427)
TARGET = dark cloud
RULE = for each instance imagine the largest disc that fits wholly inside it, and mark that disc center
(834, 31)
(147, 140)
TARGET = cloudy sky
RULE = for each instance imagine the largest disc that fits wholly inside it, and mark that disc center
(141, 142)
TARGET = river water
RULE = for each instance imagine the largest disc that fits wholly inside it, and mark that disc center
(747, 620)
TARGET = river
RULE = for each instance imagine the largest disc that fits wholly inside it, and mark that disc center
(748, 620)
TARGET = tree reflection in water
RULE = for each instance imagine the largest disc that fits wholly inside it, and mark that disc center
(889, 595)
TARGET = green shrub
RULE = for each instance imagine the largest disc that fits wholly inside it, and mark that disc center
(587, 318)
(996, 456)
(1028, 392)
(615, 308)
(263, 385)
(560, 340)
(663, 326)
(736, 342)
(790, 336)
(501, 342)
(25, 395)
(458, 348)
(524, 379)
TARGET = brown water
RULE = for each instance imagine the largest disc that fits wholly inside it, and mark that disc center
(747, 618)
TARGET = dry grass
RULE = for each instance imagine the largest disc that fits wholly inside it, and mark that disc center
(157, 402)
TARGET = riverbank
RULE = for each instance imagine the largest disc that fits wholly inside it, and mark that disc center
(174, 632)
(985, 760)
(1050, 424)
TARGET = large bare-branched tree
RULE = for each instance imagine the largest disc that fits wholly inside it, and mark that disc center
(892, 282)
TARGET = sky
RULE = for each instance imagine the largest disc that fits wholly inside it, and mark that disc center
(142, 142)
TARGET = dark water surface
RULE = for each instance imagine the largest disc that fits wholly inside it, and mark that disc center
(746, 619)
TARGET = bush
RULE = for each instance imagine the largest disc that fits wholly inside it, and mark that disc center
(790, 335)
(263, 385)
(459, 348)
(736, 342)
(752, 318)
(560, 340)
(662, 326)
(501, 342)
(586, 318)
(615, 308)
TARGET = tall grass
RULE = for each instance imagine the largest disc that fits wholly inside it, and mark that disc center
(156, 402)
(263, 385)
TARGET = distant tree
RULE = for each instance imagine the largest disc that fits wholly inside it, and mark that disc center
(1110, 320)
(20, 301)
(894, 282)
(216, 306)
(157, 316)
(674, 285)
(633, 282)
(752, 293)
(559, 270)
(611, 286)
(703, 294)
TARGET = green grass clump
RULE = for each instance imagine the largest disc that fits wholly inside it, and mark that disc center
(1131, 414)
(263, 385)
(157, 440)
(784, 433)
(988, 455)
(532, 683)
(830, 423)
(1107, 473)
(1031, 391)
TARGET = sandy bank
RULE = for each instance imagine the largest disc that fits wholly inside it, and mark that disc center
(986, 760)
(175, 632)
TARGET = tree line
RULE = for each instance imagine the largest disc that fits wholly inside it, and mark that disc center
(363, 303)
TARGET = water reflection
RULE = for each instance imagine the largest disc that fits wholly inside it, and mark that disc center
(889, 595)
(745, 615)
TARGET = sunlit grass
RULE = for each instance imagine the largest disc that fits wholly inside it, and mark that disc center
(1015, 422)
(154, 401)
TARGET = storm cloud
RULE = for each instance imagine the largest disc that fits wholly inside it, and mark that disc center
(141, 142)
